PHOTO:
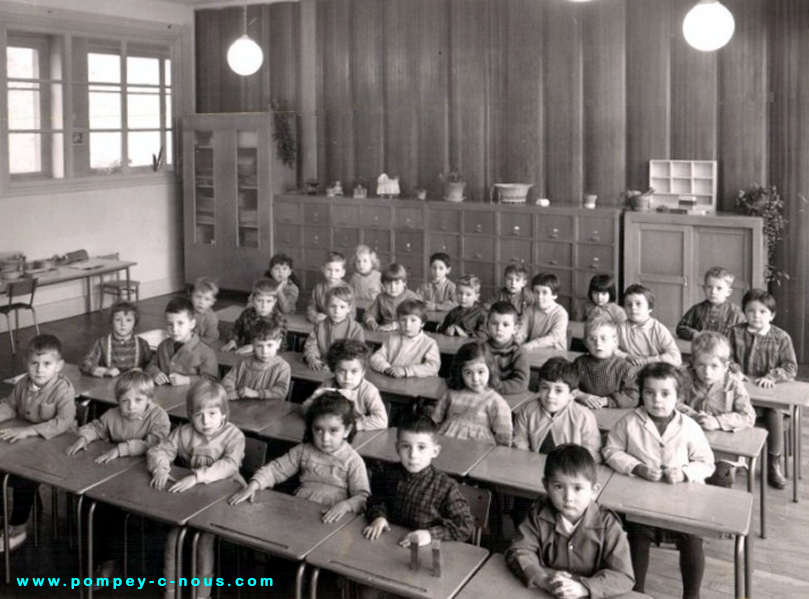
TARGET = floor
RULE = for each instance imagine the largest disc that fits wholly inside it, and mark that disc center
(780, 560)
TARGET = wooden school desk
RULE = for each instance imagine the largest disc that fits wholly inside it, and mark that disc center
(576, 329)
(250, 415)
(384, 565)
(82, 383)
(691, 508)
(165, 396)
(282, 525)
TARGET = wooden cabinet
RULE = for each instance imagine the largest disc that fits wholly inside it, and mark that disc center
(669, 253)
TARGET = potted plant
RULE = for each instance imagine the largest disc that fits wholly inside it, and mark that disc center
(284, 132)
(766, 202)
(311, 186)
(361, 189)
(454, 185)
(421, 193)
(639, 201)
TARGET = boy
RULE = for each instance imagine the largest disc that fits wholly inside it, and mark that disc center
(334, 269)
(204, 297)
(182, 358)
(264, 375)
(408, 352)
(468, 319)
(568, 545)
(262, 306)
(338, 325)
(513, 290)
(764, 353)
(643, 339)
(45, 400)
(501, 326)
(545, 323)
(121, 350)
(439, 293)
(716, 313)
(382, 315)
(606, 380)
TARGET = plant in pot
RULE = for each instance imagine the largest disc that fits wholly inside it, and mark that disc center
(312, 186)
(361, 188)
(283, 134)
(454, 185)
(639, 201)
(766, 202)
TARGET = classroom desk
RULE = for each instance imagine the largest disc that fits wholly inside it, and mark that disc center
(231, 313)
(692, 508)
(576, 330)
(82, 383)
(384, 565)
(250, 415)
(282, 525)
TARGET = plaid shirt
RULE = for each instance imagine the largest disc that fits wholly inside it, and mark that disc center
(242, 331)
(770, 355)
(705, 316)
(613, 378)
(428, 500)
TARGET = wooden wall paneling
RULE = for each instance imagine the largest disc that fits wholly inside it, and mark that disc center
(209, 56)
(368, 90)
(256, 87)
(605, 100)
(232, 95)
(310, 93)
(283, 52)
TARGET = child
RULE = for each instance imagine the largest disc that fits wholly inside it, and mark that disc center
(439, 293)
(381, 316)
(263, 305)
(501, 326)
(716, 399)
(334, 269)
(366, 280)
(469, 318)
(204, 297)
(121, 350)
(656, 442)
(45, 399)
(764, 353)
(288, 289)
(264, 375)
(182, 359)
(338, 325)
(716, 313)
(135, 426)
(331, 472)
(472, 408)
(348, 360)
(514, 291)
(213, 449)
(568, 545)
(606, 380)
(600, 301)
(408, 352)
(643, 339)
(545, 323)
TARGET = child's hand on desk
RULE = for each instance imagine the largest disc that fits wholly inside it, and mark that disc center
(159, 480)
(336, 513)
(12, 435)
(459, 332)
(396, 372)
(565, 587)
(673, 475)
(318, 365)
(636, 360)
(248, 393)
(229, 346)
(161, 379)
(376, 528)
(594, 402)
(647, 472)
(108, 456)
(320, 316)
(178, 380)
(765, 382)
(79, 445)
(112, 372)
(183, 484)
(419, 537)
(708, 422)
(388, 328)
(372, 325)
(99, 372)
(246, 494)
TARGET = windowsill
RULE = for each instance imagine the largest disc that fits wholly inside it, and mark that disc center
(50, 186)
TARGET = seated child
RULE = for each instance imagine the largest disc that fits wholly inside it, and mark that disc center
(366, 280)
(204, 297)
(716, 313)
(568, 545)
(121, 350)
(263, 305)
(439, 292)
(348, 360)
(408, 352)
(213, 449)
(513, 290)
(658, 443)
(469, 318)
(45, 400)
(334, 269)
(331, 472)
(545, 323)
(512, 363)
(338, 325)
(606, 380)
(764, 354)
(600, 301)
(289, 287)
(135, 426)
(381, 316)
(643, 339)
(472, 408)
(716, 399)
(265, 374)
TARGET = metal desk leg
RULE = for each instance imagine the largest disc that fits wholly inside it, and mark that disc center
(89, 302)
(763, 484)
(299, 580)
(796, 454)
(194, 547)
(79, 504)
(178, 573)
(313, 583)
(748, 565)
(128, 288)
(6, 553)
(90, 520)
(739, 567)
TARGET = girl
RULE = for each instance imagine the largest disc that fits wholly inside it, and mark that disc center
(472, 408)
(600, 301)
(331, 472)
(289, 287)
(658, 443)
(367, 279)
(263, 305)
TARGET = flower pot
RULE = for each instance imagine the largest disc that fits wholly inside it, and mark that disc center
(590, 200)
(641, 203)
(512, 193)
(453, 191)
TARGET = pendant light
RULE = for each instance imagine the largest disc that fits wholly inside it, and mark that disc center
(245, 55)
(708, 26)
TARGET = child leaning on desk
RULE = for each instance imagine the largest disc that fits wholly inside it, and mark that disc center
(122, 349)
(213, 449)
(408, 351)
(468, 319)
(265, 374)
(263, 305)
(45, 400)
(641, 338)
(512, 363)
(544, 324)
(382, 314)
(338, 324)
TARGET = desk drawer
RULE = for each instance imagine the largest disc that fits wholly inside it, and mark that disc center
(595, 258)
(316, 237)
(287, 235)
(554, 254)
(515, 251)
(408, 244)
(449, 244)
(408, 218)
(346, 240)
(375, 216)
(345, 216)
(478, 248)
(514, 224)
(448, 221)
(316, 214)
(479, 223)
(554, 227)
(287, 213)
(379, 241)
(596, 230)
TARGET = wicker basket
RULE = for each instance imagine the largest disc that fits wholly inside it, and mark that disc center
(512, 193)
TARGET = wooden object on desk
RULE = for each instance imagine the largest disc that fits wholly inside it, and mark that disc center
(385, 565)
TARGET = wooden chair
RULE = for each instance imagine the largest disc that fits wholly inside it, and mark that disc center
(18, 289)
(480, 500)
(118, 287)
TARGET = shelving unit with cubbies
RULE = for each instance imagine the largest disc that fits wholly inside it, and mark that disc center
(688, 185)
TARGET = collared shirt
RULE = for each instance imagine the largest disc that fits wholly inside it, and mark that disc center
(325, 333)
(242, 331)
(613, 378)
(572, 424)
(383, 309)
(111, 351)
(545, 328)
(50, 408)
(706, 316)
(193, 359)
(472, 320)
(522, 299)
(317, 304)
(650, 340)
(440, 295)
(271, 379)
(134, 437)
(727, 400)
(418, 355)
(369, 409)
(770, 355)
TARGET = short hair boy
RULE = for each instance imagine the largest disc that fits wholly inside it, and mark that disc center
(544, 324)
(715, 313)
(468, 319)
(439, 292)
(643, 339)
(262, 305)
(501, 325)
(122, 349)
(338, 325)
(408, 352)
(381, 315)
(265, 374)
(606, 380)
(203, 296)
(569, 545)
(334, 269)
(513, 290)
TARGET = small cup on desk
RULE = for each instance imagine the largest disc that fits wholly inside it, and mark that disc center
(590, 200)
(543, 202)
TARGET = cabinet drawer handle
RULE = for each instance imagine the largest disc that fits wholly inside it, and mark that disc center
(316, 240)
(478, 256)
(517, 260)
(478, 228)
(408, 248)
(443, 227)
(553, 236)
(408, 220)
(595, 238)
(516, 231)
(553, 262)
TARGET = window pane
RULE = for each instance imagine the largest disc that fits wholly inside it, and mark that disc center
(168, 155)
(25, 153)
(105, 110)
(143, 111)
(23, 109)
(104, 68)
(141, 147)
(22, 63)
(142, 70)
(105, 150)
(167, 69)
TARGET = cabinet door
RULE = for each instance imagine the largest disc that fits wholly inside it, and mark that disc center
(481, 223)
(346, 241)
(379, 241)
(316, 214)
(731, 248)
(445, 220)
(554, 255)
(515, 224)
(345, 216)
(596, 230)
(554, 227)
(516, 251)
(409, 218)
(478, 248)
(377, 217)
(449, 244)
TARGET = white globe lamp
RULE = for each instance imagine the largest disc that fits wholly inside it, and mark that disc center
(708, 26)
(245, 56)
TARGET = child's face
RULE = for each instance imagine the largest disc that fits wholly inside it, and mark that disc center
(466, 296)
(601, 342)
(208, 420)
(280, 272)
(264, 303)
(554, 395)
(329, 433)
(439, 271)
(659, 396)
(202, 300)
(475, 375)
(514, 282)
(637, 308)
(180, 326)
(416, 450)
(710, 368)
(600, 298)
(349, 373)
(334, 272)
(570, 494)
(717, 291)
(410, 324)
(544, 296)
(44, 366)
(123, 323)
(394, 288)
(758, 315)
(363, 263)
(337, 309)
(501, 327)
(133, 404)
(265, 350)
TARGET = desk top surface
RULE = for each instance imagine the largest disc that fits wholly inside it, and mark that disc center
(77, 270)
(167, 397)
(250, 415)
